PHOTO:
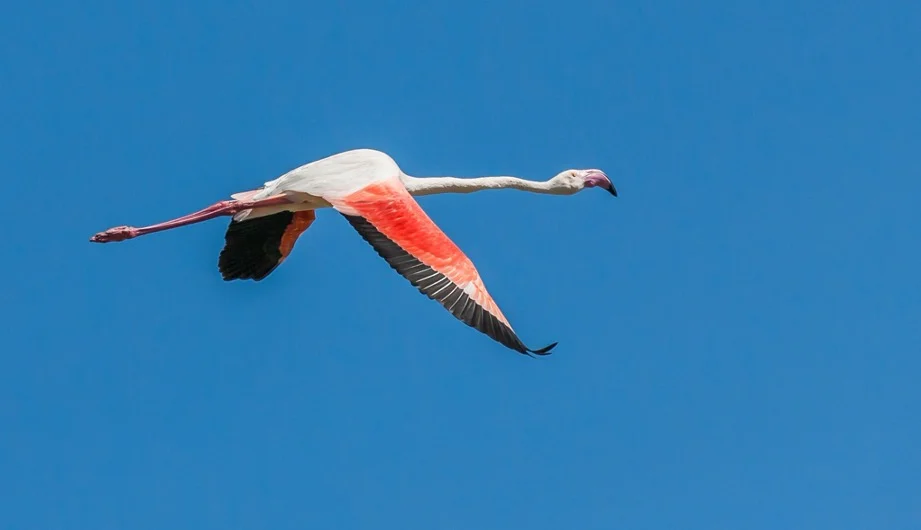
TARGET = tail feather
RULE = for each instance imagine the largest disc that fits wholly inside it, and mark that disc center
(244, 195)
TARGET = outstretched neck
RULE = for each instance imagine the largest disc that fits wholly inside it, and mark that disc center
(432, 185)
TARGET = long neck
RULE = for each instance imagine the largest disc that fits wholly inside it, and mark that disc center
(432, 185)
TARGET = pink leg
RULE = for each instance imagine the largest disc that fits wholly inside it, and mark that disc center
(121, 233)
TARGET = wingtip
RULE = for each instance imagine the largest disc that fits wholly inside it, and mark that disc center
(546, 350)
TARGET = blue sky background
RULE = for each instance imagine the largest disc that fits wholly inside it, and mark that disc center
(739, 330)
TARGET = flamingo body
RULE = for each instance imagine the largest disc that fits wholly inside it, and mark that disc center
(331, 178)
(368, 188)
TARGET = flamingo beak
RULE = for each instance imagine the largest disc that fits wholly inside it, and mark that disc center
(596, 177)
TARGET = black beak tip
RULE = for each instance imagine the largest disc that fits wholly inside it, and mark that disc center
(613, 190)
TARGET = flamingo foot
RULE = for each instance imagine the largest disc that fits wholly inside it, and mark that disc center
(118, 233)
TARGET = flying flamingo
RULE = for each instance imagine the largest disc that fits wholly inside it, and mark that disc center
(376, 197)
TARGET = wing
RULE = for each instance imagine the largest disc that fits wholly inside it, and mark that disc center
(254, 247)
(388, 218)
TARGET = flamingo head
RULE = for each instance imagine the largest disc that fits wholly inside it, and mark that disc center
(575, 180)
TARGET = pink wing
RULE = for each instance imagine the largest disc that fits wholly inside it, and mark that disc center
(388, 218)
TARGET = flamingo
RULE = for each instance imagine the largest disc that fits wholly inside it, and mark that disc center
(375, 196)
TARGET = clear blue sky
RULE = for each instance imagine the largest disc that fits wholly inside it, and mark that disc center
(740, 331)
